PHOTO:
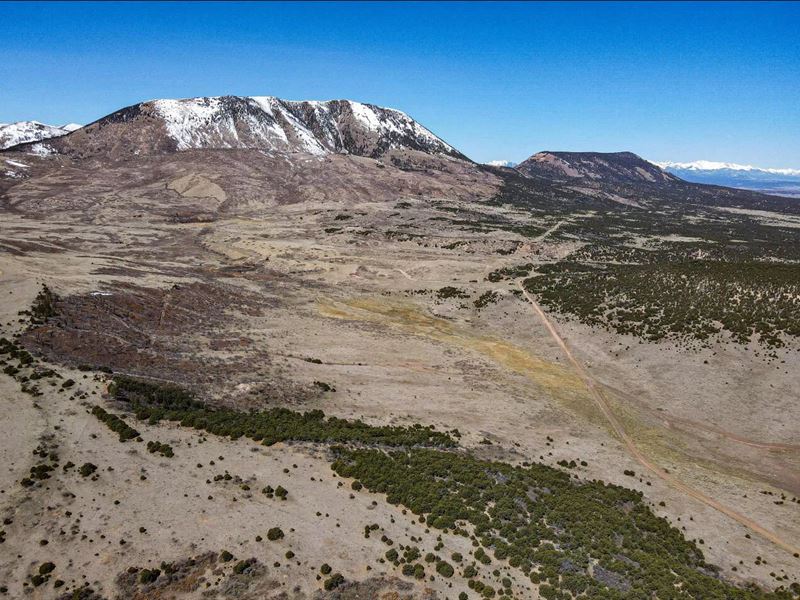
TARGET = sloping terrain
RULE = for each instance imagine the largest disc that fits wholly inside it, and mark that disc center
(341, 390)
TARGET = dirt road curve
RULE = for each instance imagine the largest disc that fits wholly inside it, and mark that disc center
(597, 394)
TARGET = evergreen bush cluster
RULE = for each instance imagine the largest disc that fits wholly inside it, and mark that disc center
(580, 538)
(154, 402)
(116, 424)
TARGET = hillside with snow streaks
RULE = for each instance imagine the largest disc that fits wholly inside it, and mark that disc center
(22, 132)
(254, 122)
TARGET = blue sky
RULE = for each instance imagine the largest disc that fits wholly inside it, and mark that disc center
(676, 81)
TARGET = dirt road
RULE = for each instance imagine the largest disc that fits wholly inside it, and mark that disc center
(596, 392)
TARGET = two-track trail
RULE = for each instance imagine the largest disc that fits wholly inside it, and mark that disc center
(596, 392)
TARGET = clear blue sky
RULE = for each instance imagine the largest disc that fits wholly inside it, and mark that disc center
(499, 81)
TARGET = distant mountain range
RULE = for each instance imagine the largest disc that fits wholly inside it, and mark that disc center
(784, 182)
(21, 132)
(318, 128)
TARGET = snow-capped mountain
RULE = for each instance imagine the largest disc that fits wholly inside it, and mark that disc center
(22, 132)
(773, 181)
(710, 165)
(502, 163)
(255, 122)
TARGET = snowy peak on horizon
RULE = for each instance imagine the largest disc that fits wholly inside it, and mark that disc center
(710, 165)
(263, 123)
(783, 182)
(502, 163)
(23, 132)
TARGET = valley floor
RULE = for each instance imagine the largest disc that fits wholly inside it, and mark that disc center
(394, 313)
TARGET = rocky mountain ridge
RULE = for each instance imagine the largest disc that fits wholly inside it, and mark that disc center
(262, 123)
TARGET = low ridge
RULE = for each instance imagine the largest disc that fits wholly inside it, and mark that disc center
(609, 167)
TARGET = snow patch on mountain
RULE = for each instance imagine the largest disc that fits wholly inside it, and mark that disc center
(502, 163)
(314, 127)
(22, 132)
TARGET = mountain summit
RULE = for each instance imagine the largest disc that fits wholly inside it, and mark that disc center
(22, 132)
(608, 167)
(254, 122)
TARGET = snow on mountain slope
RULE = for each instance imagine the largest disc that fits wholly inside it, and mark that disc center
(255, 122)
(22, 132)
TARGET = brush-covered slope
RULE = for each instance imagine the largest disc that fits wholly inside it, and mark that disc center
(617, 167)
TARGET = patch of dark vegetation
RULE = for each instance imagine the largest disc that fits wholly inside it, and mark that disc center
(156, 447)
(402, 236)
(115, 424)
(168, 578)
(15, 352)
(42, 470)
(449, 292)
(555, 529)
(44, 306)
(486, 298)
(333, 582)
(87, 469)
(678, 301)
(155, 402)
(84, 592)
(325, 387)
(514, 272)
(278, 492)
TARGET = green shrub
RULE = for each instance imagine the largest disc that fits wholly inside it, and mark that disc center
(274, 534)
(148, 575)
(444, 569)
(87, 469)
(333, 581)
